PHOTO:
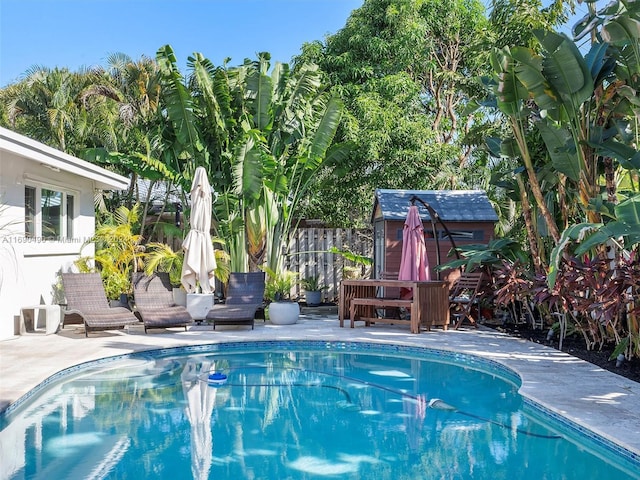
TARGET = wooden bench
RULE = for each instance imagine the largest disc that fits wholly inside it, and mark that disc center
(429, 306)
(379, 302)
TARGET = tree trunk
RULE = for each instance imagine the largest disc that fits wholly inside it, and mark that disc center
(534, 185)
(610, 178)
(531, 231)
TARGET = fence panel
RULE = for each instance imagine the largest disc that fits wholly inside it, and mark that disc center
(309, 256)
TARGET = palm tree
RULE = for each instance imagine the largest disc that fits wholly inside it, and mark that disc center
(46, 107)
(132, 90)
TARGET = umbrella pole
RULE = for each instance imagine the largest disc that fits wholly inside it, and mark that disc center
(433, 216)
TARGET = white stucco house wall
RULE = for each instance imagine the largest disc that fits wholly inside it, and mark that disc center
(46, 215)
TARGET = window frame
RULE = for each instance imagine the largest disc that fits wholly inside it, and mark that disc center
(66, 222)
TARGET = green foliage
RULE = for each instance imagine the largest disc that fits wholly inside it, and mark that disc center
(514, 21)
(352, 257)
(588, 122)
(569, 114)
(279, 284)
(492, 254)
(118, 251)
(265, 133)
(581, 238)
(161, 257)
(313, 284)
(46, 106)
(405, 101)
(180, 112)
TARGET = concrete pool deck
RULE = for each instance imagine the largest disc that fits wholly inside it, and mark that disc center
(596, 399)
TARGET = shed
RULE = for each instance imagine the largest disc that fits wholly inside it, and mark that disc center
(466, 216)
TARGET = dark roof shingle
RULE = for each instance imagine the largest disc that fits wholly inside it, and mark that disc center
(450, 205)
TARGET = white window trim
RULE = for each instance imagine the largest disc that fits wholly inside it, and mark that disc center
(39, 185)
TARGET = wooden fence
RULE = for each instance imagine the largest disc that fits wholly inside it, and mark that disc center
(309, 256)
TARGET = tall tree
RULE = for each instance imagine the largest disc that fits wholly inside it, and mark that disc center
(405, 69)
(46, 106)
(514, 21)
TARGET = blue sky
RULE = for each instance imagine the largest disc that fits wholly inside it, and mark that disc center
(82, 33)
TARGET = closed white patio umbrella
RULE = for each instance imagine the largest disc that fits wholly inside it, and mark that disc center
(201, 399)
(199, 259)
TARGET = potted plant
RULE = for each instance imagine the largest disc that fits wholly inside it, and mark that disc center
(116, 282)
(313, 290)
(161, 257)
(281, 310)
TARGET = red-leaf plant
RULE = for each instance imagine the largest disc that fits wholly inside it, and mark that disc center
(513, 288)
(597, 294)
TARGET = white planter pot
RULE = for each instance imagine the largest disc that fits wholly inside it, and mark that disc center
(199, 304)
(180, 296)
(284, 313)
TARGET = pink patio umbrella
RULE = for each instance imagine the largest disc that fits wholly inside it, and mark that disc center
(414, 264)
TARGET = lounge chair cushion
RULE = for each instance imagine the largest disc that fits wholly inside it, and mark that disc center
(245, 295)
(153, 297)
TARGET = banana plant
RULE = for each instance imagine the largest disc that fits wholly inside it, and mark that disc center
(262, 132)
(573, 112)
(512, 99)
(186, 150)
(561, 84)
(622, 229)
(295, 122)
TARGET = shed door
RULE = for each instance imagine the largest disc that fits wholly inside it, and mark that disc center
(378, 248)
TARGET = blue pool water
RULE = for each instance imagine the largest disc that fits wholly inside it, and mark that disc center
(302, 410)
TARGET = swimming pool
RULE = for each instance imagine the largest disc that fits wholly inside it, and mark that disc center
(294, 410)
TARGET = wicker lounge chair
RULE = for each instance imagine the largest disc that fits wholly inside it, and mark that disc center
(245, 294)
(85, 297)
(153, 297)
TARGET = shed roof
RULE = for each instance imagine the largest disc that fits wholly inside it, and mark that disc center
(450, 205)
(59, 161)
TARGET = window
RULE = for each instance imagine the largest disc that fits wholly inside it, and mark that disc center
(463, 234)
(29, 212)
(48, 213)
(71, 213)
(51, 212)
(455, 234)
